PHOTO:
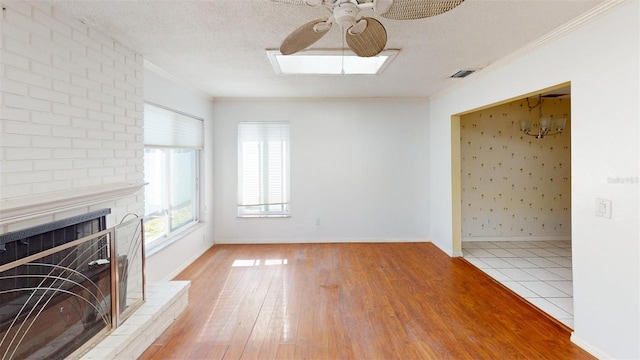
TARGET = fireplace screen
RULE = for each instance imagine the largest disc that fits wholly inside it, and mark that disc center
(64, 287)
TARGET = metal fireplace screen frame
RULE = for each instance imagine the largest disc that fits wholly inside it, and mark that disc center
(60, 300)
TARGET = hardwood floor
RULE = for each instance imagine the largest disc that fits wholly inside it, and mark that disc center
(353, 301)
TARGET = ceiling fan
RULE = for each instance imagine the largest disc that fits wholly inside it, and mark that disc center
(365, 35)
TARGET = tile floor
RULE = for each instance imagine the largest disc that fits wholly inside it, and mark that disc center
(539, 271)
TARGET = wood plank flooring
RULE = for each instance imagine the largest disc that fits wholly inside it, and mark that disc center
(353, 301)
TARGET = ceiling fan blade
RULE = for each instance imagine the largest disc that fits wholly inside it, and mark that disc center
(419, 9)
(369, 42)
(303, 37)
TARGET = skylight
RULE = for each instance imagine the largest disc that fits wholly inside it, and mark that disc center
(329, 62)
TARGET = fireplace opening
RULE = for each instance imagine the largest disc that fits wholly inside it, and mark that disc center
(57, 296)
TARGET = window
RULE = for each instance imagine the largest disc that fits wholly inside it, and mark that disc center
(263, 169)
(173, 143)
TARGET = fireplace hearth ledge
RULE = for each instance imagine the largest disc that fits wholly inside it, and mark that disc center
(165, 302)
(30, 207)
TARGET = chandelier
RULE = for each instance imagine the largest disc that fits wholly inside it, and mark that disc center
(546, 126)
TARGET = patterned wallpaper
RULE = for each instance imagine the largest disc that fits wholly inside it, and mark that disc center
(514, 185)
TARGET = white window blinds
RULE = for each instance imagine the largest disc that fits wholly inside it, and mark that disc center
(167, 128)
(263, 169)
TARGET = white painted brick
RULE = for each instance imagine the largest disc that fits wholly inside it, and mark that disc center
(86, 182)
(125, 169)
(85, 103)
(110, 90)
(124, 154)
(101, 37)
(67, 65)
(119, 84)
(86, 144)
(27, 50)
(124, 120)
(17, 166)
(50, 95)
(99, 58)
(69, 88)
(112, 109)
(116, 145)
(69, 174)
(101, 172)
(135, 161)
(64, 109)
(85, 83)
(25, 102)
(110, 52)
(100, 116)
(99, 77)
(18, 6)
(99, 134)
(51, 48)
(114, 179)
(50, 142)
(136, 130)
(50, 119)
(113, 127)
(77, 50)
(133, 80)
(14, 87)
(135, 178)
(83, 62)
(69, 153)
(30, 177)
(14, 32)
(101, 97)
(27, 77)
(86, 124)
(115, 162)
(51, 186)
(27, 153)
(81, 37)
(43, 16)
(121, 49)
(68, 132)
(15, 60)
(14, 140)
(124, 137)
(14, 191)
(129, 105)
(111, 73)
(50, 71)
(19, 127)
(15, 114)
(135, 114)
(28, 24)
(66, 19)
(52, 164)
(100, 153)
(89, 163)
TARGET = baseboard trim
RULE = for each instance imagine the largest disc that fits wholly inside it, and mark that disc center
(586, 346)
(319, 240)
(457, 254)
(516, 238)
(186, 264)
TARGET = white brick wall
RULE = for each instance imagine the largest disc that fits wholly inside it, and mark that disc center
(70, 109)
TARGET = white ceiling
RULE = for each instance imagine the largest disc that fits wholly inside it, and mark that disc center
(218, 46)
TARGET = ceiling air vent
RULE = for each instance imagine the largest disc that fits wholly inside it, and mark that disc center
(462, 73)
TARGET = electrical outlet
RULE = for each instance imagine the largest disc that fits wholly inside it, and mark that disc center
(603, 208)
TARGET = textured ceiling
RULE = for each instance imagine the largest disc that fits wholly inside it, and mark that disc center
(218, 46)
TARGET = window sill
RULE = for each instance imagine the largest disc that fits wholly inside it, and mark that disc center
(262, 216)
(158, 245)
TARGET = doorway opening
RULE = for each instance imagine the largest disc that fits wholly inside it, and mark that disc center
(512, 197)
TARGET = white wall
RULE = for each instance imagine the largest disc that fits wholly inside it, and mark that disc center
(169, 261)
(70, 109)
(601, 59)
(359, 166)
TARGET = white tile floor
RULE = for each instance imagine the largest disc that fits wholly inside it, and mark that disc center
(539, 271)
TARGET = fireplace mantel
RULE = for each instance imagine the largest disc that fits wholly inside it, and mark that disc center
(29, 207)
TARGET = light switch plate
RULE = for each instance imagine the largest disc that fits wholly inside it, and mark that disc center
(603, 208)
